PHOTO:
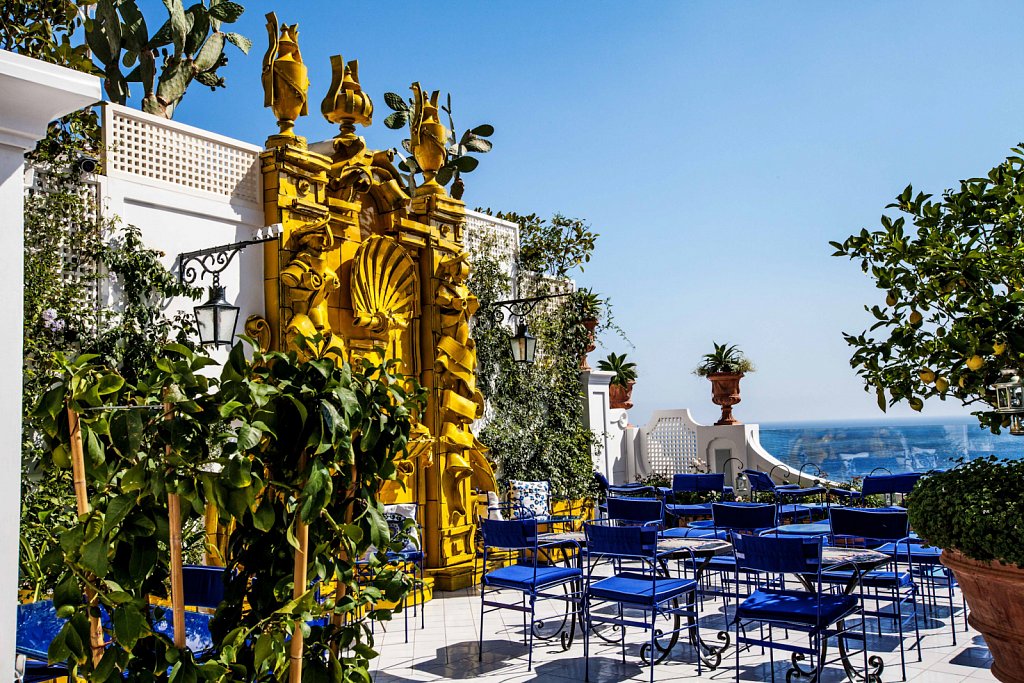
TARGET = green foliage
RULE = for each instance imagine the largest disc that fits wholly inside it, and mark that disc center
(535, 430)
(43, 29)
(554, 247)
(625, 371)
(953, 315)
(459, 159)
(975, 508)
(274, 440)
(119, 37)
(724, 358)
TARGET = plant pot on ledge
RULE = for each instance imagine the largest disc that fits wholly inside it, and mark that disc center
(725, 392)
(590, 324)
(621, 396)
(995, 593)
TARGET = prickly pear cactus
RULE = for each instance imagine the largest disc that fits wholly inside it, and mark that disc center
(118, 37)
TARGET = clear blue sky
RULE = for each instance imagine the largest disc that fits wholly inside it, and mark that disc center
(716, 147)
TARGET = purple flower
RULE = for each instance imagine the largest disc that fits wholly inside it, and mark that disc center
(51, 322)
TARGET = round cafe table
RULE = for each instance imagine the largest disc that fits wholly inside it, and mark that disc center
(809, 529)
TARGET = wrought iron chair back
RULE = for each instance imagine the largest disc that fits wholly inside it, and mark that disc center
(636, 509)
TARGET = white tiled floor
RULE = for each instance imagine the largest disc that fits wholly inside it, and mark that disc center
(447, 649)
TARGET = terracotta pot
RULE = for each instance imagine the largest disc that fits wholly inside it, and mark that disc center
(995, 594)
(621, 397)
(725, 392)
(591, 325)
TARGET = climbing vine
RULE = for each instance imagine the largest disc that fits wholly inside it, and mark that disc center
(534, 424)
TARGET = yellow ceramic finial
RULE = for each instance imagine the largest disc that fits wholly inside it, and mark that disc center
(285, 77)
(429, 139)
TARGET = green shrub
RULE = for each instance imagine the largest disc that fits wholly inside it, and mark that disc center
(976, 508)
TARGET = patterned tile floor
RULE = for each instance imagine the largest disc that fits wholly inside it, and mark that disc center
(446, 649)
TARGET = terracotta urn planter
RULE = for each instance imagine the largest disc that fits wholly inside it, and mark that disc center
(591, 325)
(995, 594)
(621, 396)
(725, 392)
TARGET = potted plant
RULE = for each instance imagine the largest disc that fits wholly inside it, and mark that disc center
(975, 513)
(588, 308)
(725, 366)
(620, 393)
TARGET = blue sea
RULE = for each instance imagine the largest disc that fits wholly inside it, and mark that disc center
(843, 450)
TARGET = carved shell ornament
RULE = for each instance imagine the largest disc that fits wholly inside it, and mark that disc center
(383, 285)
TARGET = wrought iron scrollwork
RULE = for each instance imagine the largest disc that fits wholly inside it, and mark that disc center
(214, 260)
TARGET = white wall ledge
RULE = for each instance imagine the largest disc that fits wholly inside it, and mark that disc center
(35, 93)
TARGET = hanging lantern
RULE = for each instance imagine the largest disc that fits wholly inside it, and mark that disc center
(1010, 399)
(216, 319)
(524, 345)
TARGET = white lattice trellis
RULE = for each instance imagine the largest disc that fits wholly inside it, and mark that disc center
(143, 145)
(671, 445)
(78, 268)
(496, 237)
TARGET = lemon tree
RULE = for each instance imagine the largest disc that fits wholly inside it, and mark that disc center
(952, 289)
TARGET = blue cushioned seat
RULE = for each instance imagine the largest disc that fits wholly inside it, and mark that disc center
(638, 589)
(872, 579)
(797, 607)
(522, 577)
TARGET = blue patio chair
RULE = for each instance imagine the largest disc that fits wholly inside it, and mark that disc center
(529, 577)
(713, 483)
(933, 579)
(818, 614)
(879, 485)
(737, 518)
(606, 490)
(642, 590)
(202, 586)
(866, 528)
(761, 482)
(640, 510)
(402, 521)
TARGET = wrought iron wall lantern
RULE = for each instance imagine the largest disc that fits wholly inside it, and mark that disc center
(524, 344)
(1010, 399)
(216, 319)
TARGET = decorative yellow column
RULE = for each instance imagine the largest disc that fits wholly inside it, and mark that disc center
(370, 272)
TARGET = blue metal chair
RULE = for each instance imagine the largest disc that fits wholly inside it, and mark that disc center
(411, 554)
(933, 579)
(642, 589)
(761, 482)
(816, 613)
(879, 485)
(866, 528)
(737, 518)
(529, 577)
(713, 483)
(640, 510)
(202, 586)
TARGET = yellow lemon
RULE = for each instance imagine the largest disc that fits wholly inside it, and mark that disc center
(998, 347)
(916, 318)
(962, 382)
(975, 363)
(890, 300)
(916, 403)
(941, 383)
(927, 376)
